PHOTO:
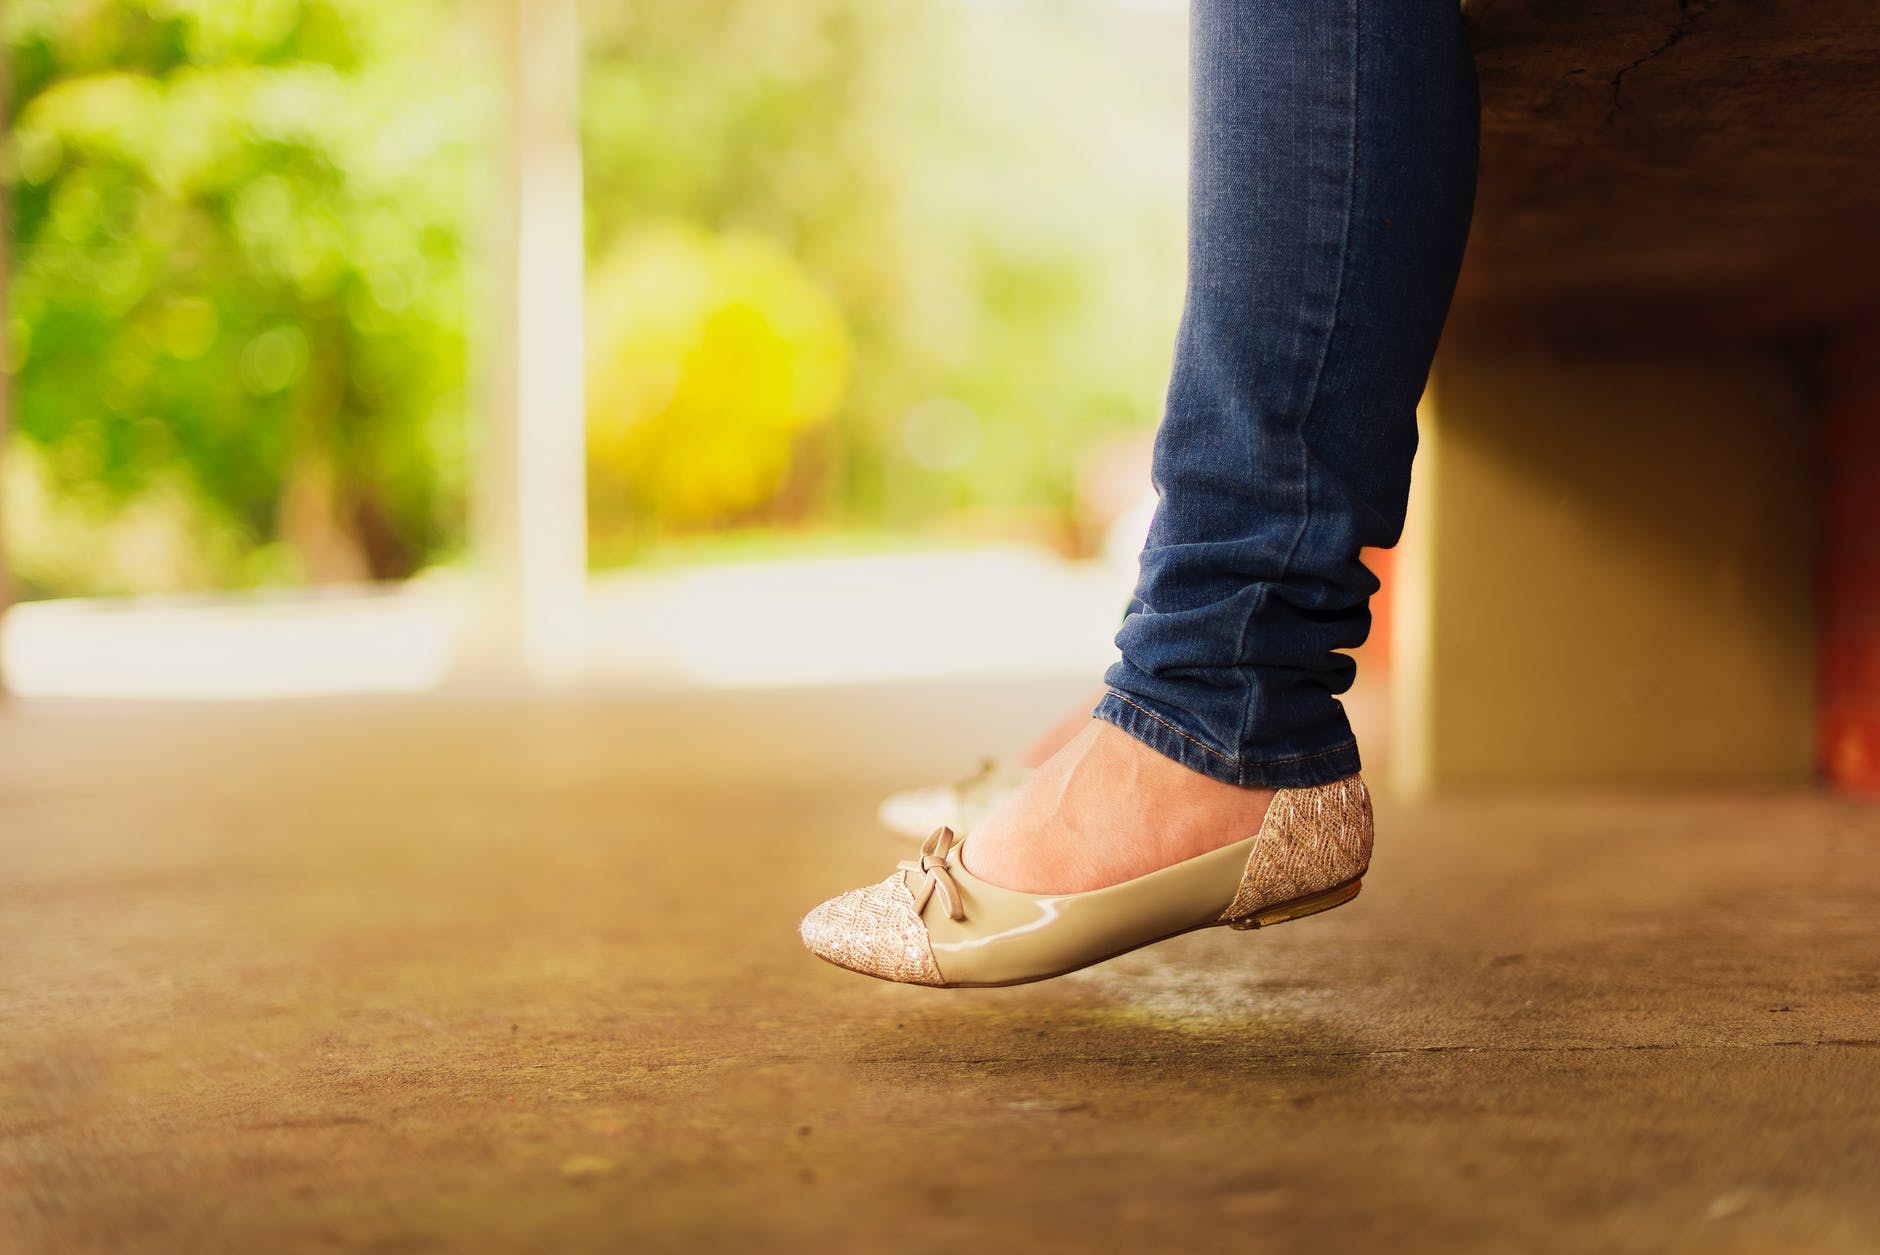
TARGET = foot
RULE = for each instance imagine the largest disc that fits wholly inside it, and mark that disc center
(962, 804)
(1061, 733)
(1104, 809)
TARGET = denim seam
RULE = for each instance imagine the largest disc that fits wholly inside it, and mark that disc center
(1301, 758)
(1202, 745)
(1239, 764)
(1318, 367)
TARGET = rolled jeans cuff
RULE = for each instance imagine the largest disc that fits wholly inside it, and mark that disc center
(1158, 730)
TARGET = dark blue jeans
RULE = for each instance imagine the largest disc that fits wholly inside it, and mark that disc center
(1332, 179)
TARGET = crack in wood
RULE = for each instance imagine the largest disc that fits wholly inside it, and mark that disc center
(1689, 13)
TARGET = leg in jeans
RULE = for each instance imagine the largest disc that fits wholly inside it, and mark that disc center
(1334, 162)
(1332, 179)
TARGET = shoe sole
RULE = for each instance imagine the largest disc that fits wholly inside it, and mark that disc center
(1265, 917)
(1299, 908)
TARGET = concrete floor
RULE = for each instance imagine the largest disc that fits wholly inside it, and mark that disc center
(488, 974)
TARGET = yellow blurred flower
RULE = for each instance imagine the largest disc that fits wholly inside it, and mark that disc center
(708, 356)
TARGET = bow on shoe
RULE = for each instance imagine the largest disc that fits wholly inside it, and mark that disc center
(935, 864)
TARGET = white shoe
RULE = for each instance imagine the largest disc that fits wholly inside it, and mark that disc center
(914, 813)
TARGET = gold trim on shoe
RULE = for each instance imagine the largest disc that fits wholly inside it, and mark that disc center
(934, 923)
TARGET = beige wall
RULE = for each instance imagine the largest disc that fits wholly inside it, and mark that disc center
(1607, 575)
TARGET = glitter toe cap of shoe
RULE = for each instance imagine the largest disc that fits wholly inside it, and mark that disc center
(875, 931)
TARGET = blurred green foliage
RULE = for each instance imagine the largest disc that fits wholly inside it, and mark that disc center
(990, 195)
(855, 266)
(238, 296)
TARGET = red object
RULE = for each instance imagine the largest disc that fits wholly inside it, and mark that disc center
(1850, 561)
(1375, 653)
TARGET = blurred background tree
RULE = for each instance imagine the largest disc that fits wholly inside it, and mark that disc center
(990, 194)
(858, 271)
(239, 291)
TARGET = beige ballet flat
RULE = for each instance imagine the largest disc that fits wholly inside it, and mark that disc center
(934, 923)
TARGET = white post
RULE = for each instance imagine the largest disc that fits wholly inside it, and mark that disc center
(531, 503)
